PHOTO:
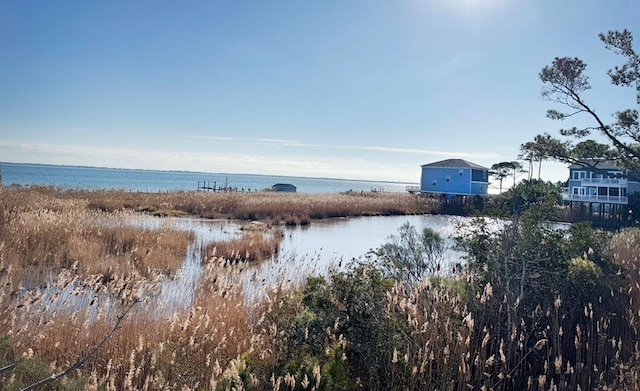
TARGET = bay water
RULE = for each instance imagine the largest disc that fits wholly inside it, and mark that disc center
(93, 178)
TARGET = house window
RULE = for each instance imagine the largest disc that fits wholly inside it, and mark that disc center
(447, 178)
(478, 176)
(614, 192)
(580, 175)
(460, 172)
(435, 183)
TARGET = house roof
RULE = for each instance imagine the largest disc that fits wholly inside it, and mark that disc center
(603, 165)
(455, 163)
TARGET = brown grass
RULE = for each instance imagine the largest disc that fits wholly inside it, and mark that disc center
(44, 232)
(264, 205)
(150, 350)
(87, 240)
(105, 258)
(252, 246)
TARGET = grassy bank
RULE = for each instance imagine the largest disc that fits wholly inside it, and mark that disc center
(269, 206)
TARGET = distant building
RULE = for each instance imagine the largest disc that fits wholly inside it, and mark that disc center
(454, 177)
(604, 184)
(284, 187)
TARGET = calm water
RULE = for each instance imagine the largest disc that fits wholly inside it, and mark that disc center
(159, 181)
(304, 251)
(310, 250)
(333, 243)
(345, 239)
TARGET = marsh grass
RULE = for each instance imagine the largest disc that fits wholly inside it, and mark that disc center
(254, 246)
(85, 243)
(150, 351)
(42, 234)
(268, 206)
(67, 267)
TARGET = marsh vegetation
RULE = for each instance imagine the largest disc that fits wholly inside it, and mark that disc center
(533, 306)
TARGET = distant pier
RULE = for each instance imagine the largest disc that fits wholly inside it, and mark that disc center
(223, 188)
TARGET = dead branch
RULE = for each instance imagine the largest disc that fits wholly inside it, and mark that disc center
(80, 361)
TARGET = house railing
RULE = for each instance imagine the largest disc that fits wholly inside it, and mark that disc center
(595, 198)
(603, 181)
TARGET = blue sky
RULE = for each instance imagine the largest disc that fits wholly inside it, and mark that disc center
(348, 89)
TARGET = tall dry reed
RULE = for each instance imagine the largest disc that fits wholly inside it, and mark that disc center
(43, 233)
(252, 246)
(93, 261)
(264, 205)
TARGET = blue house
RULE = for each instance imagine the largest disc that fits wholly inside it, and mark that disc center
(454, 177)
(605, 184)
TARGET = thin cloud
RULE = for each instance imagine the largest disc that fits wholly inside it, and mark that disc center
(213, 138)
(350, 165)
(159, 159)
(401, 150)
(260, 141)
(416, 151)
(275, 141)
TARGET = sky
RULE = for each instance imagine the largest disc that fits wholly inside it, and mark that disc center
(335, 88)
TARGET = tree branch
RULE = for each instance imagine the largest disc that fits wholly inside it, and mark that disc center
(605, 129)
(7, 368)
(80, 361)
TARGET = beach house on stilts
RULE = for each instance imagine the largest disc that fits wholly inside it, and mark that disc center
(601, 188)
(454, 177)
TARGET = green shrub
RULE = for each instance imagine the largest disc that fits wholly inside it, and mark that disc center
(584, 272)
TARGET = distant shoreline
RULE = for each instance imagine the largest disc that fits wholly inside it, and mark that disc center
(204, 172)
(144, 180)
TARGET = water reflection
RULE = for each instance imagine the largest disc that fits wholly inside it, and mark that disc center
(353, 237)
(179, 291)
(314, 249)
(332, 244)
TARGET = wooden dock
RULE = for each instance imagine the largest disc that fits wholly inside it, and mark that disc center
(411, 189)
(224, 188)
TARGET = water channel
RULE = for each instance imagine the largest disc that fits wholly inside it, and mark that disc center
(304, 250)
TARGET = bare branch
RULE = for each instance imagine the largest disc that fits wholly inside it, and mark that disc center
(80, 361)
(7, 368)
